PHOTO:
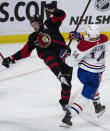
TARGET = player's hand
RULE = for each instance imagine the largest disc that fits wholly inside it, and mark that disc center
(50, 7)
(76, 35)
(7, 61)
(63, 54)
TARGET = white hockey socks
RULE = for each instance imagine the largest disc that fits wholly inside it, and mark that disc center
(79, 105)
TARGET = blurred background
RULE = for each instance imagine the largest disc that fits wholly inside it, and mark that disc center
(14, 15)
(29, 91)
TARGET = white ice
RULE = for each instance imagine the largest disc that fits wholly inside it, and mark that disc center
(29, 95)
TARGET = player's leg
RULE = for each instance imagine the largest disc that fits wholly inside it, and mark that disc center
(75, 109)
(65, 94)
(65, 77)
(51, 61)
(99, 108)
(79, 104)
(66, 90)
(90, 82)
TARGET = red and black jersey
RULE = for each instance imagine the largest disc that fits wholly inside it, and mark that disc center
(52, 30)
(49, 43)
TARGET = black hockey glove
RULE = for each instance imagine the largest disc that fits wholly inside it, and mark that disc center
(7, 61)
(50, 7)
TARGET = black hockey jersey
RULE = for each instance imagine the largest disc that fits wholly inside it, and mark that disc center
(51, 34)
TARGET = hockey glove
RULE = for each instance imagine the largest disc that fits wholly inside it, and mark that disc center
(76, 35)
(64, 54)
(7, 61)
(50, 7)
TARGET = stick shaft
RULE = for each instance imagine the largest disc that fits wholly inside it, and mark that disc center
(1, 56)
(83, 15)
(80, 21)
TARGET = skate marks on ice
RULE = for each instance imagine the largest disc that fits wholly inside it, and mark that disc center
(46, 115)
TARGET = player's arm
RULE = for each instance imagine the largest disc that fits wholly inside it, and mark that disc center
(71, 59)
(23, 53)
(58, 15)
(74, 58)
(78, 53)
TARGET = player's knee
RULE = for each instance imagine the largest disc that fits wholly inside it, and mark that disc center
(89, 91)
(66, 87)
(68, 77)
(89, 94)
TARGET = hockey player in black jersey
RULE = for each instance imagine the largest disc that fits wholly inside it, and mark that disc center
(48, 42)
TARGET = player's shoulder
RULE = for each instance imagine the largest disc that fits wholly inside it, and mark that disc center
(85, 45)
(103, 38)
(32, 36)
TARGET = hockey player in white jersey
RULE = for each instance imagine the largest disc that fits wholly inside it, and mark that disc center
(89, 55)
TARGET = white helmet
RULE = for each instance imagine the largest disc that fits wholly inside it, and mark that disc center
(93, 31)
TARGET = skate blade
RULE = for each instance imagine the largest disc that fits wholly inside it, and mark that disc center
(64, 125)
(100, 114)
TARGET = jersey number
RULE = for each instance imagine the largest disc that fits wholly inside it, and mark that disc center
(101, 56)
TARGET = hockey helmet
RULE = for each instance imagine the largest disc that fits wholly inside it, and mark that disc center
(36, 18)
(93, 31)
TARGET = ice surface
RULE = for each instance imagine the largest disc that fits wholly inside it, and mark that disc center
(29, 94)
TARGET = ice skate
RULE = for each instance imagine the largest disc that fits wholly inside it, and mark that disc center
(99, 109)
(66, 121)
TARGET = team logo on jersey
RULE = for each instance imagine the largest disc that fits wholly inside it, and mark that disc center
(102, 5)
(43, 40)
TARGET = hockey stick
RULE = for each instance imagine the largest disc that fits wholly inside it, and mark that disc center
(80, 21)
(1, 56)
(1, 59)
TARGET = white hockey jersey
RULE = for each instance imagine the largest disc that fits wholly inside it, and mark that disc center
(89, 55)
